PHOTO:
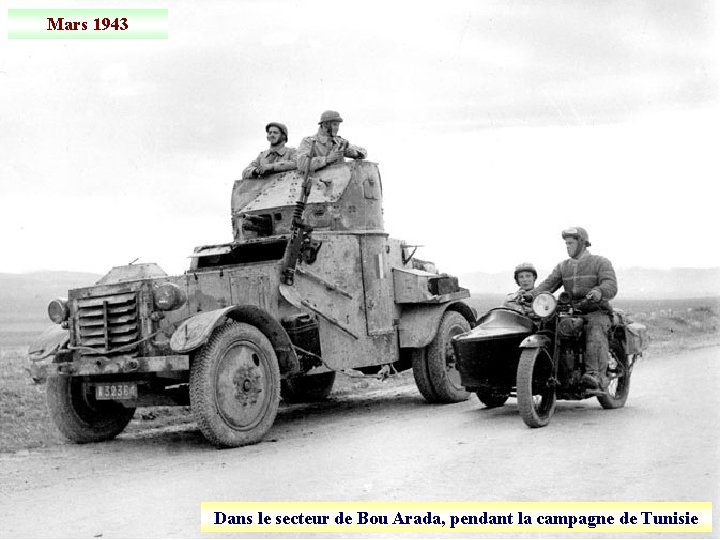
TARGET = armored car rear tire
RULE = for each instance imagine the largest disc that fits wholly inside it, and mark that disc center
(422, 377)
(235, 386)
(535, 392)
(435, 372)
(79, 416)
(308, 388)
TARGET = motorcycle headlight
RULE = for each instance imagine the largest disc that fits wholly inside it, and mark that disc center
(169, 296)
(544, 304)
(57, 310)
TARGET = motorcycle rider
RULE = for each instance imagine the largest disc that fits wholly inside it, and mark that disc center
(589, 278)
(525, 276)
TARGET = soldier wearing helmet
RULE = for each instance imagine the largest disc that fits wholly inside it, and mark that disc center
(525, 276)
(277, 158)
(590, 280)
(329, 147)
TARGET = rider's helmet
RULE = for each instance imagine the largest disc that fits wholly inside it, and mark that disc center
(578, 233)
(524, 267)
(330, 116)
(282, 127)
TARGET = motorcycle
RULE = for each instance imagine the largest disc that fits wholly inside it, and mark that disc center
(539, 358)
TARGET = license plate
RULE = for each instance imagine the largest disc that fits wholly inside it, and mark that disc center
(116, 391)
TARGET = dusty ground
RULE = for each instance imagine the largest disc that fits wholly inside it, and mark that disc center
(384, 445)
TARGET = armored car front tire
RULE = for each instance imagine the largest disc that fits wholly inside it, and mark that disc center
(235, 386)
(79, 416)
(434, 369)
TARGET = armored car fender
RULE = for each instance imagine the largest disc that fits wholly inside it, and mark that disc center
(44, 349)
(419, 323)
(195, 332)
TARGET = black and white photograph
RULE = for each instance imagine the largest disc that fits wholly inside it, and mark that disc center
(447, 262)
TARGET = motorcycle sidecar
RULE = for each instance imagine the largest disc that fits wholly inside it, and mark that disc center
(487, 356)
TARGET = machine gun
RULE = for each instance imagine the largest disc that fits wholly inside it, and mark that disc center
(300, 243)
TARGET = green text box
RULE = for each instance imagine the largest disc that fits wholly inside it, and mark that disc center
(36, 24)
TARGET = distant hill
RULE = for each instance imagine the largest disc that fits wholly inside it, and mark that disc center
(26, 296)
(633, 283)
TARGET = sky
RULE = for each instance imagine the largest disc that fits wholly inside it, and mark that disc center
(495, 124)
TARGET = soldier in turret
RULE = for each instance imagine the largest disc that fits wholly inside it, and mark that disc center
(329, 147)
(277, 158)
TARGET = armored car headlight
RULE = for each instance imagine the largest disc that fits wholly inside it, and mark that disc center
(544, 304)
(57, 310)
(169, 296)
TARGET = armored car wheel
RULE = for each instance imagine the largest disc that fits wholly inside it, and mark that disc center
(535, 390)
(435, 372)
(308, 388)
(235, 386)
(79, 416)
(422, 377)
(618, 374)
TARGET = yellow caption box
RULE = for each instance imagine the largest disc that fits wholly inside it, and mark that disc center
(458, 517)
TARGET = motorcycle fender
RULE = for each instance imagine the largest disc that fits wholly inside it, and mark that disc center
(535, 342)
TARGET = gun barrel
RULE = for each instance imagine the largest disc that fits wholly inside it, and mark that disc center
(294, 245)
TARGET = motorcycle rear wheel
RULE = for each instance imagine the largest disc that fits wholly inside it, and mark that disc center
(619, 385)
(535, 391)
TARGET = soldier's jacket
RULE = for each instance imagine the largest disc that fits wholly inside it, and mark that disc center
(579, 276)
(323, 146)
(284, 159)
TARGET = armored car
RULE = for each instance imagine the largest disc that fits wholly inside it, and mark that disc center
(310, 286)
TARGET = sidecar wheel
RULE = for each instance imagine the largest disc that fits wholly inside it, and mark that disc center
(619, 385)
(491, 400)
(535, 391)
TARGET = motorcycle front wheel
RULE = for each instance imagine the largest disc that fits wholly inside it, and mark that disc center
(535, 388)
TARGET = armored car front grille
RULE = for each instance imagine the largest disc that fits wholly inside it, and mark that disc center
(108, 324)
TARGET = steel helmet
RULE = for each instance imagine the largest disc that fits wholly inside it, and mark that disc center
(524, 267)
(282, 127)
(578, 233)
(330, 116)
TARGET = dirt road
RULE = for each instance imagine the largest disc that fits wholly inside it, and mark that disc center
(385, 445)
